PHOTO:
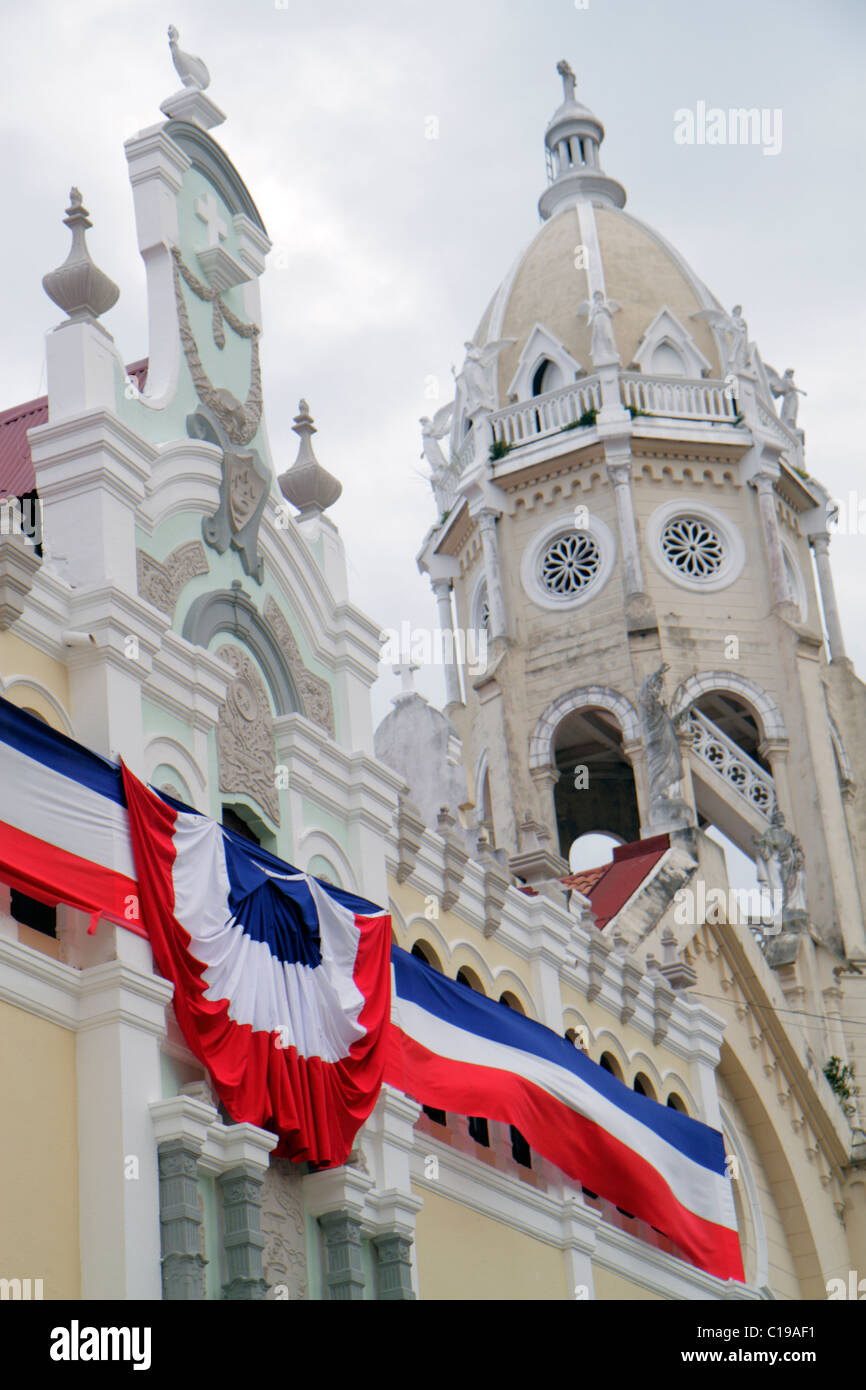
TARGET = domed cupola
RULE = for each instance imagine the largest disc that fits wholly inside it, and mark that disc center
(572, 143)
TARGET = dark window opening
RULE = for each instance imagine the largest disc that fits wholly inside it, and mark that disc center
(437, 1116)
(479, 1132)
(520, 1150)
(32, 913)
(232, 821)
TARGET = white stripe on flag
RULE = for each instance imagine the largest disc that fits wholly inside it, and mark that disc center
(44, 803)
(703, 1192)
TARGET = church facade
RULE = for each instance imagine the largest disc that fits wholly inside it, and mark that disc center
(627, 520)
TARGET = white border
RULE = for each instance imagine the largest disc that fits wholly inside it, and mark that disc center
(532, 555)
(735, 549)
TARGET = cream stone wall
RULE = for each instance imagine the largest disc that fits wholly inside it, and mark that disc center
(464, 1255)
(39, 672)
(39, 1170)
(610, 1285)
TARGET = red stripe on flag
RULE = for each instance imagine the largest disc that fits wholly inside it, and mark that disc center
(581, 1148)
(54, 875)
(316, 1107)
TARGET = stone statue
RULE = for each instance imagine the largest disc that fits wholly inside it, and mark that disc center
(599, 314)
(781, 867)
(734, 332)
(664, 758)
(432, 431)
(476, 376)
(785, 387)
(568, 79)
(191, 71)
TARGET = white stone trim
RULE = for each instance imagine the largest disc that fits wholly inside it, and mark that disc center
(28, 683)
(542, 346)
(735, 547)
(584, 697)
(751, 1195)
(705, 682)
(666, 328)
(534, 553)
(796, 582)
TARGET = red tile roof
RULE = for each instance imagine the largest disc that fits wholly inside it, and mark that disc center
(17, 475)
(610, 886)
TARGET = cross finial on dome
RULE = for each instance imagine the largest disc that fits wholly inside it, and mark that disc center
(572, 141)
(569, 81)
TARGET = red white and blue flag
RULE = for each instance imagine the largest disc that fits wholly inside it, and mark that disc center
(281, 981)
(453, 1049)
(283, 991)
(64, 836)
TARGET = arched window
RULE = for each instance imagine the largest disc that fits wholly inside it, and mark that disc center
(677, 1103)
(609, 1062)
(467, 977)
(547, 377)
(511, 1001)
(422, 951)
(644, 1086)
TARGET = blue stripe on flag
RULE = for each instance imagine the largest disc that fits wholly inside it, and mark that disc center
(54, 750)
(465, 1008)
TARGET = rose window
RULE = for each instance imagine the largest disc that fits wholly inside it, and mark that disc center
(693, 547)
(570, 563)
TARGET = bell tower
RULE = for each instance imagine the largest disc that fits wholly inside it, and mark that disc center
(629, 517)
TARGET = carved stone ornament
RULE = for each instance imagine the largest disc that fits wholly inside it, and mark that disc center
(245, 735)
(284, 1258)
(80, 288)
(315, 692)
(161, 581)
(664, 759)
(240, 421)
(243, 494)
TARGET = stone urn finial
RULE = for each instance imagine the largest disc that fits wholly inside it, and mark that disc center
(307, 485)
(81, 289)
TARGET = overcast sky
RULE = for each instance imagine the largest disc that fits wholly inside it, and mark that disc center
(392, 243)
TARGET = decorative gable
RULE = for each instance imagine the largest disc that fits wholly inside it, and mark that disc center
(541, 346)
(668, 349)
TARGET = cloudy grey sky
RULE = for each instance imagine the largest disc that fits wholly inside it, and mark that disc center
(391, 243)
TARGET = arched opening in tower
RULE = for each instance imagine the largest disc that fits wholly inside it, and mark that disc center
(732, 779)
(595, 793)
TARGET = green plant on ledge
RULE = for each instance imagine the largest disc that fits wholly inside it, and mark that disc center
(588, 418)
(498, 449)
(841, 1079)
(634, 411)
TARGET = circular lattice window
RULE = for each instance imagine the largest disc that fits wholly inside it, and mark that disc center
(693, 547)
(569, 564)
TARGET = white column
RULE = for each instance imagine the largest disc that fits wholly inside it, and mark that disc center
(122, 1019)
(821, 547)
(442, 593)
(620, 477)
(763, 484)
(493, 572)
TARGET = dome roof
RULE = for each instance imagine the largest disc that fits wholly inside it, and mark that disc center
(641, 271)
(588, 244)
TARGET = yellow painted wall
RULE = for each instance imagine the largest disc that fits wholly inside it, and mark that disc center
(38, 1153)
(18, 658)
(611, 1286)
(464, 1255)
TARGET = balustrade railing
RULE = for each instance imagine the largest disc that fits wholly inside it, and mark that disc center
(742, 773)
(686, 399)
(548, 414)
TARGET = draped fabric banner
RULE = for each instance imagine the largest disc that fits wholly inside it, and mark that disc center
(281, 982)
(453, 1049)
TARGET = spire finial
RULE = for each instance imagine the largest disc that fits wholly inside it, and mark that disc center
(307, 485)
(569, 81)
(572, 143)
(78, 286)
